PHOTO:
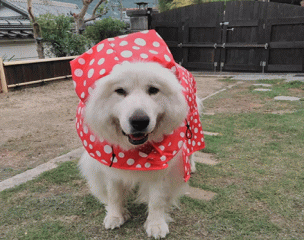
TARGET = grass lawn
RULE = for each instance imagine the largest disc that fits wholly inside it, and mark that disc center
(259, 181)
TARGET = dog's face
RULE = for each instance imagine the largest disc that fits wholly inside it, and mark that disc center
(136, 103)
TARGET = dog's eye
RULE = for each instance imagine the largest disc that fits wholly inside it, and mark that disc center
(121, 91)
(153, 90)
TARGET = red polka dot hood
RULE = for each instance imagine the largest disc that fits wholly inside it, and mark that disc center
(98, 62)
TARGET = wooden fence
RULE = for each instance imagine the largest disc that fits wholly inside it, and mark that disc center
(235, 36)
(21, 73)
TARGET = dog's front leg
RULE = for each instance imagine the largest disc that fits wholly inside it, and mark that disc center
(117, 214)
(156, 225)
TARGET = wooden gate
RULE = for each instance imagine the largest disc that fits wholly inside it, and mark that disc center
(235, 36)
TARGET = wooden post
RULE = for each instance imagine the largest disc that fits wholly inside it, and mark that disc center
(2, 77)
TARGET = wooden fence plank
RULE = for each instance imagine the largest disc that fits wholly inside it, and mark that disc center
(22, 73)
(3, 85)
(235, 36)
(28, 71)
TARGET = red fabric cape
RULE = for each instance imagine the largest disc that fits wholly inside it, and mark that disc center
(98, 62)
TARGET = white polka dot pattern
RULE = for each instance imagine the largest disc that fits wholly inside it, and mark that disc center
(78, 72)
(90, 73)
(126, 54)
(130, 161)
(145, 45)
(99, 62)
(140, 42)
(81, 61)
(100, 47)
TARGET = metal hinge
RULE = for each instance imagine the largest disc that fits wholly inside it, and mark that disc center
(224, 23)
(214, 66)
(263, 65)
(221, 66)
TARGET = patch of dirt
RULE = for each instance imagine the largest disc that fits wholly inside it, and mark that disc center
(69, 219)
(236, 101)
(38, 123)
(240, 100)
(237, 105)
(280, 112)
(55, 190)
(209, 85)
(296, 92)
(200, 194)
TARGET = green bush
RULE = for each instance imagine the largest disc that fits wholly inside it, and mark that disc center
(58, 36)
(105, 28)
(164, 5)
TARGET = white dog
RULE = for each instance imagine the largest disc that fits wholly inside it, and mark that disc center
(139, 123)
(136, 104)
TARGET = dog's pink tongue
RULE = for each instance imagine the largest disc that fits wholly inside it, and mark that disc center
(137, 137)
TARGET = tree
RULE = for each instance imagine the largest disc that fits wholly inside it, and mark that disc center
(36, 30)
(105, 28)
(98, 11)
(180, 3)
(58, 36)
(165, 5)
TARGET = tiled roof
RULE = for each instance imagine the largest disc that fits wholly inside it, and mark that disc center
(9, 13)
(46, 6)
(20, 28)
(14, 20)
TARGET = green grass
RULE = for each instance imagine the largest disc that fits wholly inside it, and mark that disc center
(280, 88)
(259, 184)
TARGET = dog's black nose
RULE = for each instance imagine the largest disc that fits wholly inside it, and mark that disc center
(139, 120)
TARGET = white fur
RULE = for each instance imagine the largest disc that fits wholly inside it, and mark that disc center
(107, 114)
(200, 107)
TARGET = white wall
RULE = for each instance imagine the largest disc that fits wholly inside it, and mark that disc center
(19, 50)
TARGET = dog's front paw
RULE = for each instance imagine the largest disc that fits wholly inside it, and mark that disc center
(111, 221)
(157, 229)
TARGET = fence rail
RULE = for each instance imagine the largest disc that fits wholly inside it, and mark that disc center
(20, 73)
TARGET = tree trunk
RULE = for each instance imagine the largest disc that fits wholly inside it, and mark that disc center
(79, 18)
(36, 30)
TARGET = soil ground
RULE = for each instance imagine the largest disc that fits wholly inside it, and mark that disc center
(37, 123)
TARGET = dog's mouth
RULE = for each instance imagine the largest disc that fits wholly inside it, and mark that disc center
(137, 138)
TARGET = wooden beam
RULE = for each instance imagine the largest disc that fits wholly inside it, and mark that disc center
(2, 77)
(39, 61)
(39, 81)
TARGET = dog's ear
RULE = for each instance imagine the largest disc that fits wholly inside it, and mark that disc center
(176, 112)
(101, 88)
(176, 109)
(96, 102)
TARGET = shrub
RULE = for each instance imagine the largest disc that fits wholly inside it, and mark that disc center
(58, 36)
(105, 28)
(164, 5)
